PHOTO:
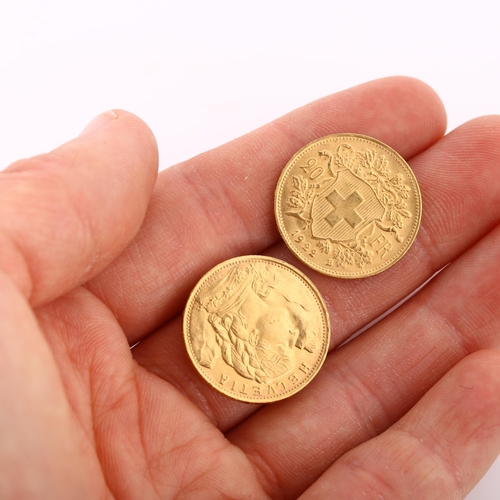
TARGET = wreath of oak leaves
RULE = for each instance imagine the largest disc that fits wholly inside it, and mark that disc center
(389, 188)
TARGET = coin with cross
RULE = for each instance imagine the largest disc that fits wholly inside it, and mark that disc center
(348, 205)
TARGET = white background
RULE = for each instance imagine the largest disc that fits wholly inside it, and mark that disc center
(203, 72)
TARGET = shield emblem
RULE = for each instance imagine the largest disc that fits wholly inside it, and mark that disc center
(344, 208)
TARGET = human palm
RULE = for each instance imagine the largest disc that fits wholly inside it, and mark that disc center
(105, 255)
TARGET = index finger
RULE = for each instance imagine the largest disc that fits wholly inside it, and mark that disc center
(220, 204)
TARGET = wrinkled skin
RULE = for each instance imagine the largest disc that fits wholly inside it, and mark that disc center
(97, 253)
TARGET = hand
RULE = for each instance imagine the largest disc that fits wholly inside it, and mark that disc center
(95, 257)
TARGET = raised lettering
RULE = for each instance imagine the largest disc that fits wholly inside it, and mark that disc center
(304, 368)
(383, 245)
(316, 171)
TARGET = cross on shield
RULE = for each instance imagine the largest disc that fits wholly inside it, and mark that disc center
(344, 208)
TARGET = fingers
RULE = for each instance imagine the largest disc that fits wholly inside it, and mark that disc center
(461, 197)
(66, 214)
(440, 449)
(220, 204)
(370, 383)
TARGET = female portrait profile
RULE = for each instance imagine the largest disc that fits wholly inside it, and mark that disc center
(254, 319)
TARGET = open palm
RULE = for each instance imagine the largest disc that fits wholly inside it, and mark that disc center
(97, 254)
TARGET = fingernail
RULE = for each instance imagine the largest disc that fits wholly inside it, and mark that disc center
(98, 122)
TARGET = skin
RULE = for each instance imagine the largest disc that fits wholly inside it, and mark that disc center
(97, 253)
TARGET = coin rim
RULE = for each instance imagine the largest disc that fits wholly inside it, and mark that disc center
(325, 319)
(339, 274)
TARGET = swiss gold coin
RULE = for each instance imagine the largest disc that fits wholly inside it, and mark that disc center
(348, 206)
(256, 329)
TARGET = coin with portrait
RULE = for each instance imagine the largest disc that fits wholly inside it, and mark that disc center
(348, 206)
(256, 329)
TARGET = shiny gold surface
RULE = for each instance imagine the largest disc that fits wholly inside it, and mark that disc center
(348, 206)
(256, 329)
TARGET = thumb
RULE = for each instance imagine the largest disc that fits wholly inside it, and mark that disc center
(67, 214)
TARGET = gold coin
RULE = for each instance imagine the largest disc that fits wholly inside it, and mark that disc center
(348, 206)
(256, 329)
